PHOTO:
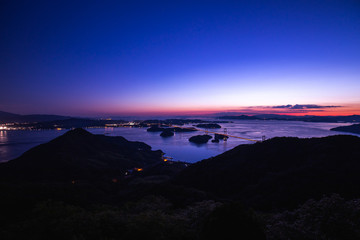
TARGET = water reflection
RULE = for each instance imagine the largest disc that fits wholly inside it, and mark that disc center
(3, 135)
(4, 149)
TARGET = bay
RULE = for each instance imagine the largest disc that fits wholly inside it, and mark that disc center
(16, 142)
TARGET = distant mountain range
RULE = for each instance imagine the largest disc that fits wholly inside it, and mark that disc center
(308, 118)
(6, 117)
(71, 123)
(43, 121)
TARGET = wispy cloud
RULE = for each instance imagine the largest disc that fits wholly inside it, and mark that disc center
(296, 109)
(304, 106)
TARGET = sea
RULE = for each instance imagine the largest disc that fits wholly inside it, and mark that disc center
(13, 143)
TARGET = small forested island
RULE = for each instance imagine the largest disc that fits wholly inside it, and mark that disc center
(355, 128)
(167, 133)
(200, 139)
(221, 137)
(86, 186)
(208, 125)
(188, 129)
(155, 129)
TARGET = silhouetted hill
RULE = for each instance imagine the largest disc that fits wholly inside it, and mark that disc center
(198, 204)
(78, 155)
(281, 172)
(355, 128)
(6, 117)
(351, 118)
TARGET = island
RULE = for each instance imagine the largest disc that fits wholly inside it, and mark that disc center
(180, 129)
(155, 129)
(208, 125)
(167, 133)
(200, 139)
(221, 137)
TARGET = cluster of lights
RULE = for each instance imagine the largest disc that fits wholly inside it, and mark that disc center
(12, 126)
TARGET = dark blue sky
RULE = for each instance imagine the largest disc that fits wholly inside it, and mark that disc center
(116, 57)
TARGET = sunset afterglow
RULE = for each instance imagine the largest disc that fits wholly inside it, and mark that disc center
(176, 58)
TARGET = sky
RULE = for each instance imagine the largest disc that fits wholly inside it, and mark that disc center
(118, 58)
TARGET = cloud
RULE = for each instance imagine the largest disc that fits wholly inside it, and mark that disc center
(304, 106)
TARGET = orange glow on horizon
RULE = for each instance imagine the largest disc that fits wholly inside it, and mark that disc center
(341, 110)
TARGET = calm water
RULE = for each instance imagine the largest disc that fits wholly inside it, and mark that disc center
(14, 143)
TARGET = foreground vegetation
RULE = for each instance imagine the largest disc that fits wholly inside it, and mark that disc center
(82, 186)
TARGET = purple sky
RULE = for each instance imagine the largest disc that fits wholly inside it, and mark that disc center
(101, 58)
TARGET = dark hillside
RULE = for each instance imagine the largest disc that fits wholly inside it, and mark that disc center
(79, 154)
(40, 200)
(354, 128)
(281, 172)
